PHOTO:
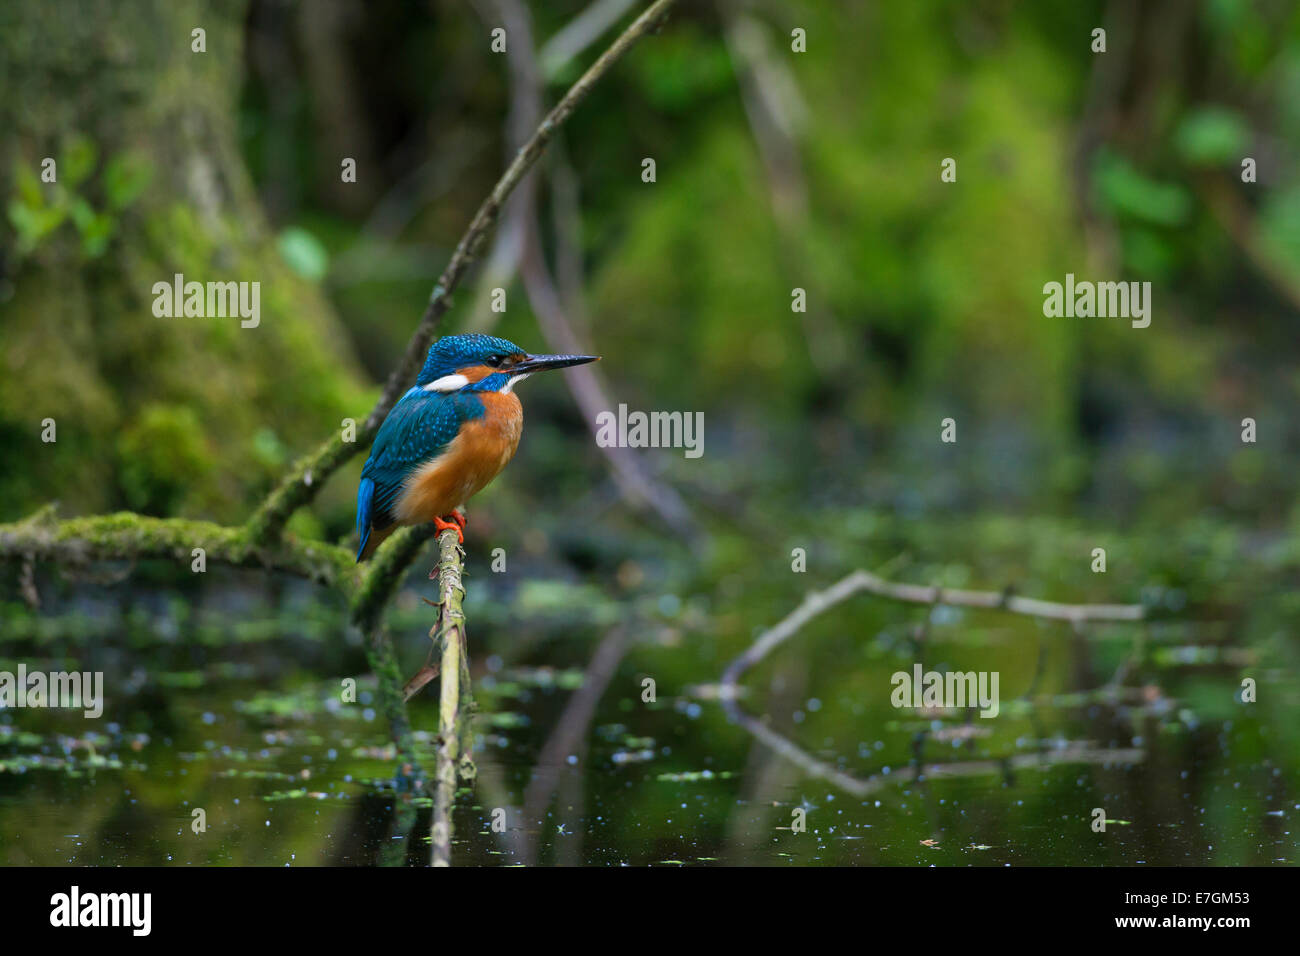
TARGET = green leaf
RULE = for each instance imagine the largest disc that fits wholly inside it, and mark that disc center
(268, 449)
(78, 160)
(304, 253)
(33, 225)
(1127, 191)
(29, 186)
(23, 222)
(125, 178)
(95, 235)
(82, 214)
(1210, 137)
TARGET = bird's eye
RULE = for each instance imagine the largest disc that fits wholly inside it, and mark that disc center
(494, 360)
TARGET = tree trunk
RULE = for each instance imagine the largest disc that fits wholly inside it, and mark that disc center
(155, 413)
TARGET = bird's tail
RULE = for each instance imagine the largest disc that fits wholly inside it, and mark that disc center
(365, 511)
(374, 539)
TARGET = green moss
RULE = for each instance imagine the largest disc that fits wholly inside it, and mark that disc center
(162, 454)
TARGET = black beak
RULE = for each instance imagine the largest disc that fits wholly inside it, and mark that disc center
(536, 363)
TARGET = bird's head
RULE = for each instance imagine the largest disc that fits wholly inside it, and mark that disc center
(485, 363)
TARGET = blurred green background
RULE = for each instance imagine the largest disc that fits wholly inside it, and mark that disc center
(775, 170)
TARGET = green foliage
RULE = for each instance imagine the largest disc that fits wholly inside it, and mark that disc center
(1126, 191)
(162, 455)
(682, 67)
(29, 213)
(1212, 136)
(126, 176)
(79, 161)
(38, 209)
(1280, 224)
(304, 253)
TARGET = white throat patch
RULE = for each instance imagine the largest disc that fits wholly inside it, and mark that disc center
(448, 383)
(514, 380)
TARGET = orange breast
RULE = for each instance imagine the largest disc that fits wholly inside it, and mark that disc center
(473, 458)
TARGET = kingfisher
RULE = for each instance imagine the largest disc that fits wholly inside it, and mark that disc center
(448, 436)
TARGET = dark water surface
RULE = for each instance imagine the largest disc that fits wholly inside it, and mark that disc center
(233, 705)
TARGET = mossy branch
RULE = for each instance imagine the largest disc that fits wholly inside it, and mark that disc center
(126, 536)
(454, 703)
(383, 573)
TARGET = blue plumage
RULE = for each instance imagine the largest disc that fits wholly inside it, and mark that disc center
(418, 428)
(459, 372)
(453, 352)
(365, 511)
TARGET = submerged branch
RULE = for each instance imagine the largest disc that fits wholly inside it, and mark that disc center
(861, 787)
(818, 602)
(383, 663)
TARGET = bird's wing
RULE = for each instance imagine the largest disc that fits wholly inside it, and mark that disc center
(418, 428)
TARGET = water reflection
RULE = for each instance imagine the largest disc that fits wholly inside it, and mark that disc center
(577, 765)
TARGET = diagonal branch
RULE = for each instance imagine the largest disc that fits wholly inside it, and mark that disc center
(632, 478)
(627, 468)
(582, 31)
(311, 472)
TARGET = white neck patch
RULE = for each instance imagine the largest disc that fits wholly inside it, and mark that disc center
(514, 380)
(448, 383)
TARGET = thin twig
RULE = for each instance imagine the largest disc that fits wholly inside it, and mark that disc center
(817, 603)
(1234, 217)
(422, 677)
(579, 33)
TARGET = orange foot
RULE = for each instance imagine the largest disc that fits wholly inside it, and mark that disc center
(457, 524)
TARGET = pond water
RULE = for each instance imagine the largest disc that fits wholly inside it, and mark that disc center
(232, 704)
